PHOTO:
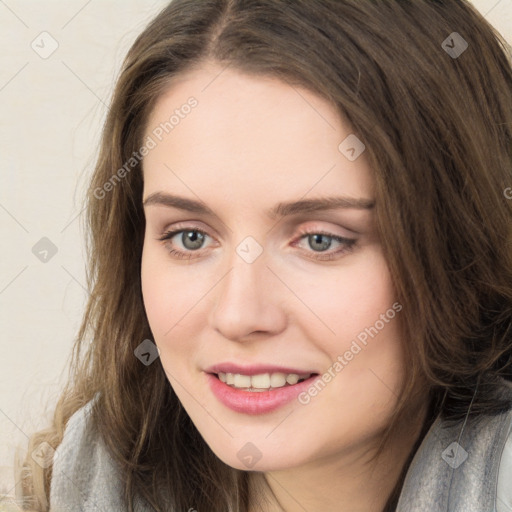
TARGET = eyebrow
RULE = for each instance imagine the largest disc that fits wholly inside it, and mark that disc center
(283, 209)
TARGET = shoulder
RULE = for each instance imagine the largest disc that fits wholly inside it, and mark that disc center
(463, 466)
(84, 475)
(504, 490)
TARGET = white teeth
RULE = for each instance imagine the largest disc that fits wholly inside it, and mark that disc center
(262, 381)
(277, 380)
(242, 381)
(293, 378)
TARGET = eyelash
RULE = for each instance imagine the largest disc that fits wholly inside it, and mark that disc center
(348, 242)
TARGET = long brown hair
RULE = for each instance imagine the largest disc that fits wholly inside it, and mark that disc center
(438, 133)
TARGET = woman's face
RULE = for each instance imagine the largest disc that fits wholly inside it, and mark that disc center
(238, 291)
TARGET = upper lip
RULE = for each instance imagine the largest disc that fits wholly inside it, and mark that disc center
(254, 369)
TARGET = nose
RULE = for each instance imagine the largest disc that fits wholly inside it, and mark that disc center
(248, 301)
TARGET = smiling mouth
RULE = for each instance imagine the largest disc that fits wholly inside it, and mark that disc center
(262, 382)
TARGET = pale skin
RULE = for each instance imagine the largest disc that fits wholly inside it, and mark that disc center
(250, 143)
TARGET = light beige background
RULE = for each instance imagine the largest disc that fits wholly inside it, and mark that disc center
(52, 110)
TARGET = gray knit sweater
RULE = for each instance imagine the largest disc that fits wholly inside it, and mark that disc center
(462, 468)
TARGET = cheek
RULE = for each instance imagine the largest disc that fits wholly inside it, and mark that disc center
(172, 300)
(343, 305)
(168, 293)
(155, 293)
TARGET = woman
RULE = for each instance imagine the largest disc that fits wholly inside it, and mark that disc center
(300, 268)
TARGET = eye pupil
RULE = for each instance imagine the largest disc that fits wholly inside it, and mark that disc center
(192, 236)
(317, 238)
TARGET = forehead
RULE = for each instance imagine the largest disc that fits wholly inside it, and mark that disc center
(252, 132)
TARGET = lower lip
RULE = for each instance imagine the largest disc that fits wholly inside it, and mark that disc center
(256, 402)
